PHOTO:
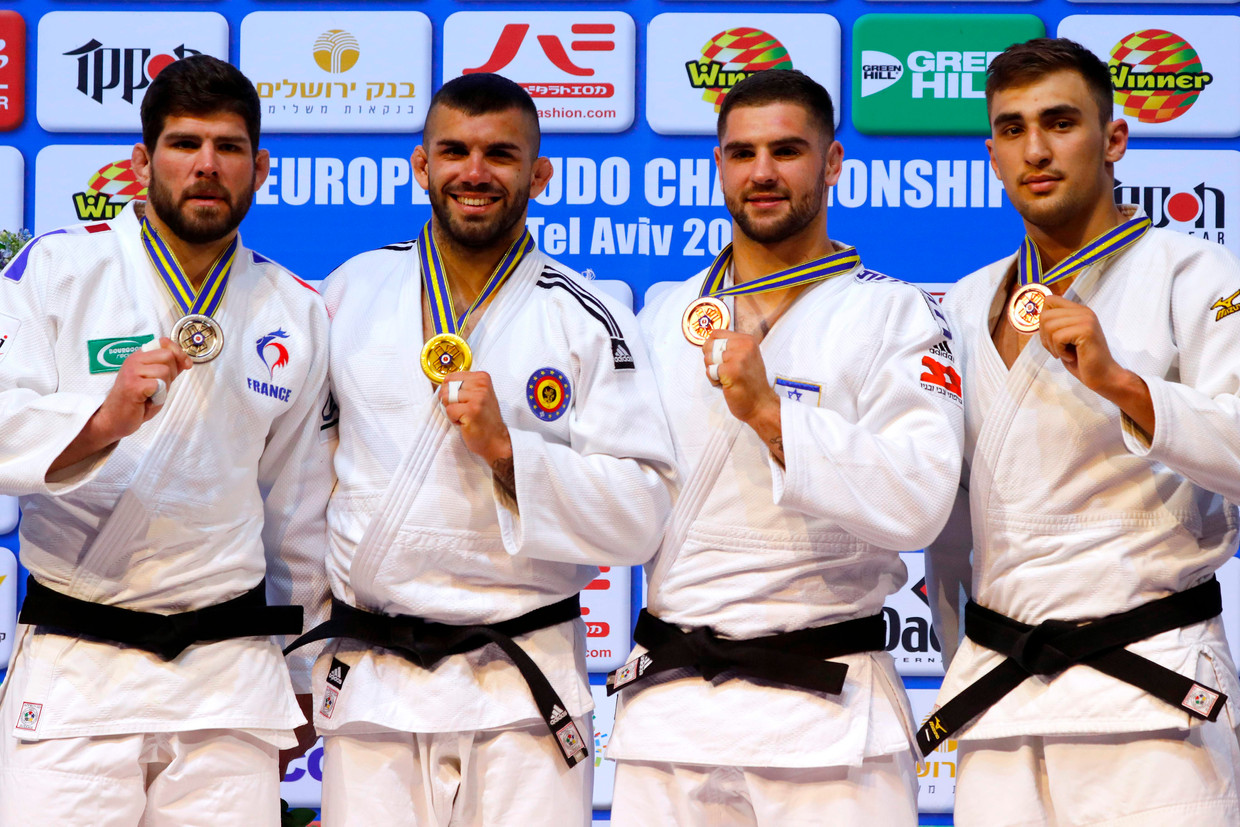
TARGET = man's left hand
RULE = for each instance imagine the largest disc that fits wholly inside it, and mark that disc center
(471, 405)
(734, 363)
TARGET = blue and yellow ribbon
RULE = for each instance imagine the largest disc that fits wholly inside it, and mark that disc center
(1117, 239)
(819, 269)
(204, 301)
(435, 279)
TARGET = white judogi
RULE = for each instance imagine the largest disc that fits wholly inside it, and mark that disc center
(871, 451)
(591, 481)
(1074, 513)
(237, 491)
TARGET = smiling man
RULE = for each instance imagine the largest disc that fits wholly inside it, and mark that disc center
(159, 489)
(1095, 685)
(490, 463)
(819, 435)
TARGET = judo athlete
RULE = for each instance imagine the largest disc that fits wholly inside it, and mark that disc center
(502, 438)
(817, 436)
(1102, 442)
(162, 390)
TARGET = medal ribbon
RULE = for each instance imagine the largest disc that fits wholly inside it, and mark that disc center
(205, 301)
(1029, 265)
(819, 269)
(435, 279)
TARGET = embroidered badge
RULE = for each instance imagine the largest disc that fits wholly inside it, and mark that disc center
(273, 354)
(107, 355)
(941, 379)
(1226, 306)
(569, 738)
(335, 682)
(1200, 700)
(548, 394)
(28, 718)
(798, 391)
(329, 702)
(8, 332)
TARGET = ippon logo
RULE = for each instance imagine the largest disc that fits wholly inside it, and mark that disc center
(1202, 206)
(108, 191)
(731, 56)
(1157, 75)
(336, 51)
(101, 68)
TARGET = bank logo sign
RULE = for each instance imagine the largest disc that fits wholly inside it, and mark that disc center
(83, 183)
(692, 60)
(339, 71)
(12, 177)
(94, 67)
(925, 74)
(12, 70)
(1174, 76)
(1193, 191)
(578, 66)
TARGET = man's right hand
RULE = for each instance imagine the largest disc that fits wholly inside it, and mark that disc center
(128, 404)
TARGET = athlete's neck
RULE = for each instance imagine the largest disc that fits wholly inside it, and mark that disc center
(1055, 243)
(469, 268)
(753, 259)
(195, 259)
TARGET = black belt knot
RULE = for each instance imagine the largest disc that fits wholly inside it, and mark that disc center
(1054, 645)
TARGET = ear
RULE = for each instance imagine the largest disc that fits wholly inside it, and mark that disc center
(541, 175)
(719, 159)
(140, 160)
(835, 163)
(418, 161)
(262, 168)
(1116, 140)
(990, 150)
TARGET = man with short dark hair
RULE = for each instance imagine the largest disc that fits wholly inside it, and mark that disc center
(817, 437)
(162, 391)
(488, 464)
(1094, 685)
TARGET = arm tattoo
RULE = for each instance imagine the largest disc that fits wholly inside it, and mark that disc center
(777, 448)
(506, 476)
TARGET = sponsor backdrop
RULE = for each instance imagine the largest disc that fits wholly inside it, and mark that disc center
(628, 101)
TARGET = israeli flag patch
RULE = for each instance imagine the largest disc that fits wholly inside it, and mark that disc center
(798, 391)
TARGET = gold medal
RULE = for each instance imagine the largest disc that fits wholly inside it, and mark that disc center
(199, 336)
(1025, 308)
(703, 316)
(443, 354)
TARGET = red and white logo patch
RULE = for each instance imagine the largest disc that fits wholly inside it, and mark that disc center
(941, 379)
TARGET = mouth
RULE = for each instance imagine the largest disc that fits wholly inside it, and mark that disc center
(1041, 183)
(766, 201)
(205, 198)
(473, 201)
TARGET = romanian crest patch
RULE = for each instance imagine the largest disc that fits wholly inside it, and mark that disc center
(548, 394)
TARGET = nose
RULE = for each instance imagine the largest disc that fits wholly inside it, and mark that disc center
(207, 161)
(1037, 148)
(762, 170)
(476, 171)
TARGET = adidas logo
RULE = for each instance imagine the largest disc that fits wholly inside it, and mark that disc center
(339, 671)
(334, 676)
(621, 355)
(557, 714)
(942, 350)
(645, 662)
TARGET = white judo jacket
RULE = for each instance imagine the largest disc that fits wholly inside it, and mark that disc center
(232, 476)
(592, 483)
(871, 419)
(1070, 512)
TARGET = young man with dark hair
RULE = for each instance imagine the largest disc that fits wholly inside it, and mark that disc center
(162, 392)
(488, 465)
(818, 437)
(1094, 685)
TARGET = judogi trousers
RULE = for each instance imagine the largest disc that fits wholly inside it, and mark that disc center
(487, 778)
(882, 792)
(1147, 779)
(203, 778)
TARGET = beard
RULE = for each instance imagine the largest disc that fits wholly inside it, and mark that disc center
(482, 232)
(771, 230)
(199, 225)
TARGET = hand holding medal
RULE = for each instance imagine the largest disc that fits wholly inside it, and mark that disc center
(135, 396)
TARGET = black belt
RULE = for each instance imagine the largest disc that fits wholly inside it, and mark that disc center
(163, 635)
(426, 642)
(797, 659)
(1054, 645)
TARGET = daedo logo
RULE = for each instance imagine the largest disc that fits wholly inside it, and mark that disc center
(12, 70)
(340, 71)
(577, 66)
(1173, 75)
(1184, 190)
(1157, 75)
(926, 73)
(94, 67)
(692, 60)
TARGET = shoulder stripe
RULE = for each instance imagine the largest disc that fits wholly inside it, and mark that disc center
(552, 278)
(17, 267)
(400, 246)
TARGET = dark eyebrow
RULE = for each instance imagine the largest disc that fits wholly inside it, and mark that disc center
(1004, 118)
(789, 141)
(194, 136)
(506, 145)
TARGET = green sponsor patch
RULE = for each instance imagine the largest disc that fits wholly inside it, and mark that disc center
(107, 355)
(925, 74)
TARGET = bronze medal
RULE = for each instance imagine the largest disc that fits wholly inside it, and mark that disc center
(1025, 308)
(703, 316)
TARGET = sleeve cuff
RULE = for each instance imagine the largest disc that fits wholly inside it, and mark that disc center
(72, 477)
(511, 528)
(1136, 440)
